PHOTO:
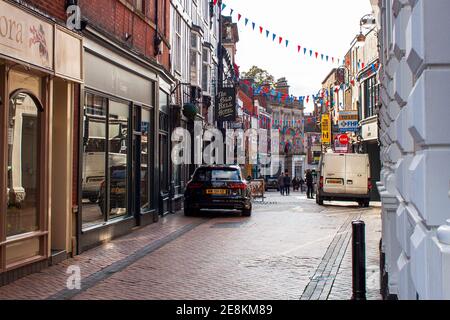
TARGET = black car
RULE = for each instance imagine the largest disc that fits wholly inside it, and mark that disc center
(118, 189)
(218, 188)
(272, 184)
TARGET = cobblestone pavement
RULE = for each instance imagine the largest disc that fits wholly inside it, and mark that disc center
(290, 248)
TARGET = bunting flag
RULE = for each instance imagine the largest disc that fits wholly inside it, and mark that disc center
(324, 57)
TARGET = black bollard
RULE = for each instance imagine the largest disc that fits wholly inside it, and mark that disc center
(359, 260)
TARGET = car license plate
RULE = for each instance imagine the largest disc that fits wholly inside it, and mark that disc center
(334, 181)
(216, 191)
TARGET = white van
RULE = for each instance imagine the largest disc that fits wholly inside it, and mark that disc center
(344, 177)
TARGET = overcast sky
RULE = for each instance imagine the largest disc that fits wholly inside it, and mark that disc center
(326, 26)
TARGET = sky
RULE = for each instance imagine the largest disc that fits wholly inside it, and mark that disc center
(326, 26)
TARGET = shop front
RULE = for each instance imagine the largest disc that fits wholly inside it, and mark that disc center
(124, 139)
(40, 69)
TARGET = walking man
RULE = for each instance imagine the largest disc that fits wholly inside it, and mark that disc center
(287, 184)
(309, 185)
(281, 183)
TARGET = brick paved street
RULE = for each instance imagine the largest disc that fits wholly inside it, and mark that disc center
(289, 249)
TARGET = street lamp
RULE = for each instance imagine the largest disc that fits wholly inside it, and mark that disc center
(366, 20)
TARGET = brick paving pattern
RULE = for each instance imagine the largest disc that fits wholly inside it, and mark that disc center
(289, 249)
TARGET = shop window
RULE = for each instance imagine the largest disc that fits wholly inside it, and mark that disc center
(105, 180)
(94, 157)
(118, 159)
(22, 215)
(146, 160)
(164, 141)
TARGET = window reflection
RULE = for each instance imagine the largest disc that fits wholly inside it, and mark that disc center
(23, 166)
(118, 147)
(145, 160)
(94, 149)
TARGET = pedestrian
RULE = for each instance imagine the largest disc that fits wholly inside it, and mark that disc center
(281, 183)
(301, 182)
(287, 184)
(295, 183)
(309, 185)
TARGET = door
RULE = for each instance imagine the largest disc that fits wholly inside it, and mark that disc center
(357, 174)
(334, 173)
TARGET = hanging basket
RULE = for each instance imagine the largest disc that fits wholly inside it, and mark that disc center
(190, 111)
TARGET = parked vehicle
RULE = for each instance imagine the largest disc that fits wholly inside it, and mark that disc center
(272, 184)
(218, 188)
(118, 189)
(344, 177)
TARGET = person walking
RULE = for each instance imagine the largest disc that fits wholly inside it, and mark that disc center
(295, 183)
(281, 183)
(309, 185)
(287, 184)
(301, 182)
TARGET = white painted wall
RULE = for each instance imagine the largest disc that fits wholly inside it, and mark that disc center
(415, 135)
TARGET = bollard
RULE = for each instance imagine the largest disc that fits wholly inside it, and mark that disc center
(359, 260)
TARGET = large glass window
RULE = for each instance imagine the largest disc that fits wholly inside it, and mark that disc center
(94, 156)
(118, 159)
(146, 160)
(105, 181)
(22, 214)
(164, 141)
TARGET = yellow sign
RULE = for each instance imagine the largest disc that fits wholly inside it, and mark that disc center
(326, 129)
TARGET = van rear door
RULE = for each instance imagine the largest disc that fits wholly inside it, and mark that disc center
(333, 173)
(357, 174)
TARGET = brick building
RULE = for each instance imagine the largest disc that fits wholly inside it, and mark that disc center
(98, 164)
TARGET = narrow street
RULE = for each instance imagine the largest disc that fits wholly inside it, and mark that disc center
(290, 248)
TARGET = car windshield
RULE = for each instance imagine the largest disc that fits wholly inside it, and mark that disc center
(207, 175)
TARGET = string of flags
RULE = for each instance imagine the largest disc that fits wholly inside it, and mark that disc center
(282, 40)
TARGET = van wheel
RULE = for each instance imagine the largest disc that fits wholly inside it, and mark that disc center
(319, 200)
(188, 212)
(366, 203)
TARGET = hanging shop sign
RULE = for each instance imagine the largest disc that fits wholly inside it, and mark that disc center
(226, 104)
(326, 129)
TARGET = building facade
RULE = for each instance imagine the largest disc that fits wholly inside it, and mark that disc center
(40, 75)
(415, 147)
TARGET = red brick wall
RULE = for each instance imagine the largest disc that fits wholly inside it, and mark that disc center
(53, 8)
(116, 18)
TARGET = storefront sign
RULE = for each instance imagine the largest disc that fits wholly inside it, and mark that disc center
(25, 37)
(348, 121)
(226, 104)
(326, 129)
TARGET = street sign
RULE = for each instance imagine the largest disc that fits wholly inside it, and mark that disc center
(348, 121)
(348, 126)
(343, 139)
(326, 129)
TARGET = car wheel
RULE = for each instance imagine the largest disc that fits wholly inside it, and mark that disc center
(366, 203)
(247, 212)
